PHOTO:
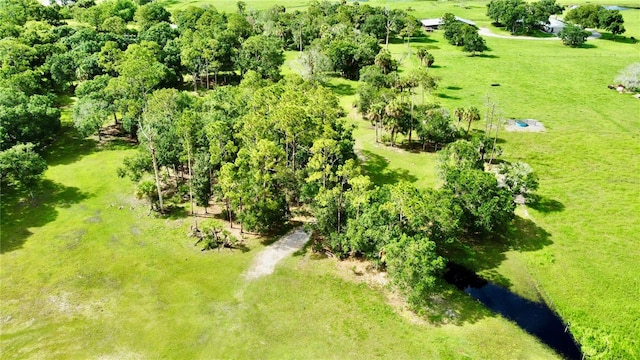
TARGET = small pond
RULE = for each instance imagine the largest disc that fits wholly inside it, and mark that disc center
(535, 318)
(616, 7)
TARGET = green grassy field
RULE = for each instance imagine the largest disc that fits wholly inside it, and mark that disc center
(82, 279)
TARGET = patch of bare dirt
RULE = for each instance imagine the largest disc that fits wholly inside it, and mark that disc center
(266, 261)
(360, 271)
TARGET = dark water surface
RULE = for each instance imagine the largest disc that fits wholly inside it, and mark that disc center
(535, 318)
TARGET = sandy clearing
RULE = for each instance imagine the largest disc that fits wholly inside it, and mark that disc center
(265, 262)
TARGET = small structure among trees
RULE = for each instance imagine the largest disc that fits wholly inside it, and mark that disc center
(434, 24)
(462, 34)
(519, 16)
(597, 17)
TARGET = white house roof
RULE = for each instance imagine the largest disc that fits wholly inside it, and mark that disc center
(431, 22)
(438, 21)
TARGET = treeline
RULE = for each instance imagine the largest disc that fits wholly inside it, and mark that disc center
(519, 16)
(118, 52)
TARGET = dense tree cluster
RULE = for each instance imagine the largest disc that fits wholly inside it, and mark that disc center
(461, 34)
(121, 50)
(522, 17)
(250, 146)
(596, 16)
(30, 35)
(406, 229)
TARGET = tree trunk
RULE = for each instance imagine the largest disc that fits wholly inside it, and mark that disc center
(155, 172)
(493, 149)
(340, 204)
(190, 177)
(300, 38)
(115, 118)
(387, 37)
(293, 151)
(207, 76)
(240, 208)
(195, 82)
(411, 125)
(229, 211)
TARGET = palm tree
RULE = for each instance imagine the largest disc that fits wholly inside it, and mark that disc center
(459, 113)
(471, 114)
(376, 114)
(422, 54)
(396, 113)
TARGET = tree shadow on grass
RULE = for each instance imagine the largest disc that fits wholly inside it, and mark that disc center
(20, 212)
(618, 38)
(413, 40)
(377, 168)
(422, 40)
(279, 231)
(446, 96)
(487, 56)
(486, 255)
(342, 89)
(69, 147)
(545, 205)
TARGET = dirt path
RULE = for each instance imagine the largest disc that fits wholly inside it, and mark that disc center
(265, 262)
(487, 32)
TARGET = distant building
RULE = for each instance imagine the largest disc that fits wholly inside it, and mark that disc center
(434, 24)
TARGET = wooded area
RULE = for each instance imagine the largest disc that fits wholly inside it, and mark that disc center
(247, 137)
